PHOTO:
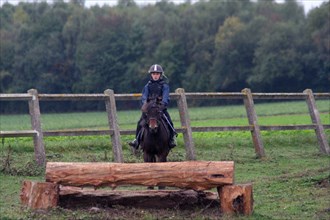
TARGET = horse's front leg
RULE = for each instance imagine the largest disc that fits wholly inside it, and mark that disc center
(162, 158)
(149, 158)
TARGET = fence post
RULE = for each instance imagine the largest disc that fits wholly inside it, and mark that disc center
(185, 124)
(253, 122)
(34, 110)
(110, 105)
(315, 116)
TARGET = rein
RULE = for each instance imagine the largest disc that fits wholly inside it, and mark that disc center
(154, 116)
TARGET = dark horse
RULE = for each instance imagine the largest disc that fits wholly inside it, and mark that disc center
(155, 133)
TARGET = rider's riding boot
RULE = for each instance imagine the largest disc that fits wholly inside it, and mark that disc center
(134, 144)
(173, 141)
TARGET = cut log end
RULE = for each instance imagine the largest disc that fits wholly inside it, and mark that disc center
(39, 195)
(236, 199)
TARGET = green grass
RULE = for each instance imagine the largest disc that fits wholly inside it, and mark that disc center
(291, 182)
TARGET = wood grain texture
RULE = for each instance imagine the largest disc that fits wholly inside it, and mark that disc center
(197, 175)
(39, 195)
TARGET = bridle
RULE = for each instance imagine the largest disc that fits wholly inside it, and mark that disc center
(153, 117)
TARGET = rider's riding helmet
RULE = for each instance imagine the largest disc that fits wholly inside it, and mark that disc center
(156, 69)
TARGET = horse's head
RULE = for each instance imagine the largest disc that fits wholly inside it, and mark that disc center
(153, 115)
(156, 137)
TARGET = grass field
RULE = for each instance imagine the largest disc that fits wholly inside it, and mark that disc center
(291, 182)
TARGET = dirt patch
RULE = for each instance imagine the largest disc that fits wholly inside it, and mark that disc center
(121, 212)
(99, 207)
(323, 183)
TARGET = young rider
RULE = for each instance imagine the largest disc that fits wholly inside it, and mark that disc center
(156, 88)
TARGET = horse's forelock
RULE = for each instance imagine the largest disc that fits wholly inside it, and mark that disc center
(152, 105)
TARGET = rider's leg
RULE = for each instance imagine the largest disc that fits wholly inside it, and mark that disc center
(173, 134)
(135, 143)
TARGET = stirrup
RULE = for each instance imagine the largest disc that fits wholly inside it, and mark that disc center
(172, 142)
(134, 144)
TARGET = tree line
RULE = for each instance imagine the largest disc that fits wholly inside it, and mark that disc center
(207, 46)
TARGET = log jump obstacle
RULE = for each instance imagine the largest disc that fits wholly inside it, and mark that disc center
(64, 182)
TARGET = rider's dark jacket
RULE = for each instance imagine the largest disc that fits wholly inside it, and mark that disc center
(154, 89)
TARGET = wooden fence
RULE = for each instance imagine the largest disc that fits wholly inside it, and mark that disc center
(181, 97)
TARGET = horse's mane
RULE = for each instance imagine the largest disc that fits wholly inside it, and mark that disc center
(153, 103)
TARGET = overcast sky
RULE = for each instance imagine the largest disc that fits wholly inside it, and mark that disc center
(308, 4)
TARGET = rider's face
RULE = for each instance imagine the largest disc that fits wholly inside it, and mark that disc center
(155, 76)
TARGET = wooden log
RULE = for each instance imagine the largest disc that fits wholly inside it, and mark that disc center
(236, 199)
(39, 195)
(315, 116)
(110, 105)
(38, 139)
(72, 197)
(197, 175)
(185, 123)
(253, 122)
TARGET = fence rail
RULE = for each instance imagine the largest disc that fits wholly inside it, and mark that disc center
(181, 97)
(137, 96)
